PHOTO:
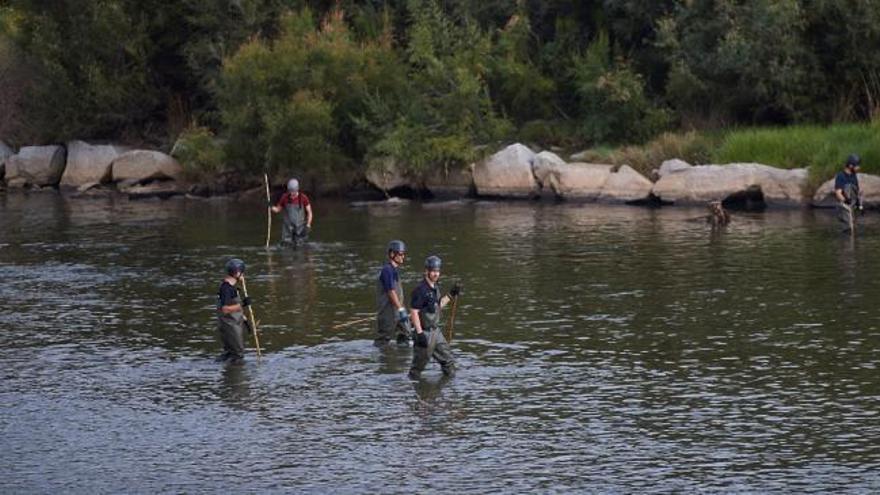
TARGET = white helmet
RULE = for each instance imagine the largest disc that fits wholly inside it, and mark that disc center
(293, 185)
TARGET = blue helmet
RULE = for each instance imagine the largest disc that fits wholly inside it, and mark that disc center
(853, 160)
(234, 266)
(433, 263)
(396, 246)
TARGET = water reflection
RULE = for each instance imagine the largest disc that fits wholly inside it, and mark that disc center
(603, 349)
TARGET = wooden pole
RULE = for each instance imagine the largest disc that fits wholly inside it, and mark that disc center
(253, 320)
(353, 322)
(268, 211)
(451, 326)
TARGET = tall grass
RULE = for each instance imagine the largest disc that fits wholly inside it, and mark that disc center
(822, 149)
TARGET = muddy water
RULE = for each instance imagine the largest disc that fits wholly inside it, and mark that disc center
(601, 349)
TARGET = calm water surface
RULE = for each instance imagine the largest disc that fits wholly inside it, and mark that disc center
(602, 349)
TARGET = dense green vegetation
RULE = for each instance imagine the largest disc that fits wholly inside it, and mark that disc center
(320, 86)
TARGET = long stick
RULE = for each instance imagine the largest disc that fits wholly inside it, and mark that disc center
(360, 320)
(451, 326)
(253, 320)
(268, 211)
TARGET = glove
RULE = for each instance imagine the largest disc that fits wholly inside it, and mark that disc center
(421, 339)
(456, 290)
(402, 316)
(245, 301)
(269, 204)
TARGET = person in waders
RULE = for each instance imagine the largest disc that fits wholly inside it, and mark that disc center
(846, 190)
(230, 314)
(392, 319)
(426, 304)
(297, 215)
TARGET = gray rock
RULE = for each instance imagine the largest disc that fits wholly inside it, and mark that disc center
(449, 182)
(870, 189)
(159, 189)
(387, 174)
(577, 181)
(672, 166)
(507, 173)
(88, 163)
(704, 183)
(35, 165)
(626, 186)
(145, 165)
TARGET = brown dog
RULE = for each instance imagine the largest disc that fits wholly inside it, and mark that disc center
(718, 216)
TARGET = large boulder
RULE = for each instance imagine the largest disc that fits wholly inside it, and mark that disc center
(672, 166)
(507, 173)
(868, 184)
(35, 166)
(144, 166)
(387, 174)
(456, 182)
(626, 186)
(5, 152)
(703, 183)
(576, 181)
(88, 164)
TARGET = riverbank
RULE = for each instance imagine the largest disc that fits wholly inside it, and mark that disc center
(515, 172)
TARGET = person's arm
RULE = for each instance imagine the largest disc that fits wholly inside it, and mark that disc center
(309, 215)
(392, 295)
(839, 194)
(414, 317)
(280, 204)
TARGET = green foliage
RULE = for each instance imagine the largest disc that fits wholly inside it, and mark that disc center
(199, 153)
(614, 107)
(738, 61)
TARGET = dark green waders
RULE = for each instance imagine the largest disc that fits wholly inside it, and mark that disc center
(231, 330)
(388, 325)
(437, 348)
(848, 216)
(293, 230)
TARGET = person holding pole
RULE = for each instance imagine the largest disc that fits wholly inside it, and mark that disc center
(426, 304)
(392, 319)
(297, 215)
(230, 314)
(846, 191)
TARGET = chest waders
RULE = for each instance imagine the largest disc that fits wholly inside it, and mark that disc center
(848, 215)
(437, 348)
(294, 228)
(230, 326)
(387, 324)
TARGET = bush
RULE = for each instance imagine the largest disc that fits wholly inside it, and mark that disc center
(199, 153)
(692, 147)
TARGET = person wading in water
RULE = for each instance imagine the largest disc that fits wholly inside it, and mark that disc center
(392, 319)
(846, 190)
(230, 314)
(426, 304)
(297, 215)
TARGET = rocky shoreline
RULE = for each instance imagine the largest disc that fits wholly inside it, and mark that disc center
(516, 172)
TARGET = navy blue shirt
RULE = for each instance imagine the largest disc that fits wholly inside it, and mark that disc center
(389, 277)
(226, 295)
(425, 298)
(842, 179)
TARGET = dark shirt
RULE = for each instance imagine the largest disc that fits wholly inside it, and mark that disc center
(388, 276)
(300, 200)
(425, 298)
(842, 179)
(226, 295)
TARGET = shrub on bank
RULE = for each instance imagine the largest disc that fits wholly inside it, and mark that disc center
(692, 147)
(199, 153)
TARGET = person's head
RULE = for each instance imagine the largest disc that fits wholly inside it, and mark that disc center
(235, 268)
(433, 264)
(853, 162)
(293, 186)
(397, 251)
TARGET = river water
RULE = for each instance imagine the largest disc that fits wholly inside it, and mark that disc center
(601, 349)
